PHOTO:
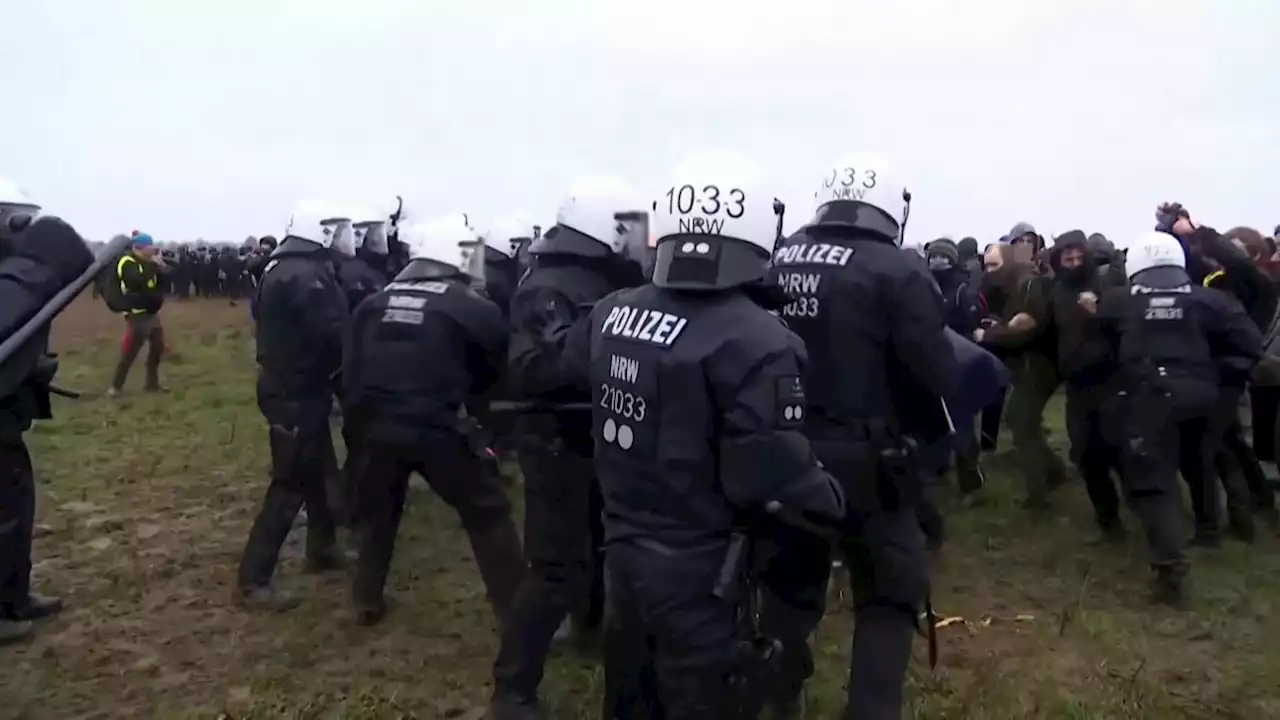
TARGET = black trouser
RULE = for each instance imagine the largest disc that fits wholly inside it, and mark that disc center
(141, 329)
(991, 416)
(1094, 454)
(669, 642)
(17, 520)
(1201, 453)
(561, 511)
(300, 443)
(884, 554)
(381, 474)
(1238, 456)
(1264, 405)
(1159, 430)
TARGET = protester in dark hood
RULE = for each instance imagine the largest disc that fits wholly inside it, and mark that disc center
(1107, 259)
(970, 260)
(1029, 349)
(1237, 466)
(964, 313)
(1087, 365)
(964, 308)
(1024, 238)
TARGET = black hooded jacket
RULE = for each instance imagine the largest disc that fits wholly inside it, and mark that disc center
(1085, 356)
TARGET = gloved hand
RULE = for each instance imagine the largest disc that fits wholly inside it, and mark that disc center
(56, 245)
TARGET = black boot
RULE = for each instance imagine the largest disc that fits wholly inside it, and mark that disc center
(1170, 588)
(266, 598)
(36, 607)
(15, 631)
(369, 613)
(1240, 521)
(509, 707)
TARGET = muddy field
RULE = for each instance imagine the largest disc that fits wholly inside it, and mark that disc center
(145, 502)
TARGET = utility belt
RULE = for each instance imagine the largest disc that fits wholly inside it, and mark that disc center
(877, 466)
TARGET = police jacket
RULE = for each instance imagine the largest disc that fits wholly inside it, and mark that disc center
(1085, 356)
(417, 351)
(1164, 325)
(872, 320)
(139, 284)
(34, 267)
(358, 280)
(555, 294)
(301, 318)
(697, 406)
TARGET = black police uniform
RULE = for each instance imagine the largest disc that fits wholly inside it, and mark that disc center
(1173, 341)
(420, 349)
(35, 264)
(562, 502)
(359, 280)
(880, 364)
(301, 316)
(697, 403)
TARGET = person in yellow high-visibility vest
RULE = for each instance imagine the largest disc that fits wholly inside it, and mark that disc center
(138, 272)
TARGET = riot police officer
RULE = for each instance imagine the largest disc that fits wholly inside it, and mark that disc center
(582, 259)
(38, 258)
(502, 269)
(421, 349)
(697, 402)
(301, 313)
(365, 273)
(1174, 341)
(372, 247)
(858, 301)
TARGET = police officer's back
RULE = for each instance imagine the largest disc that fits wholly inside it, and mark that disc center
(879, 367)
(301, 318)
(422, 349)
(1174, 340)
(502, 269)
(586, 256)
(38, 258)
(697, 402)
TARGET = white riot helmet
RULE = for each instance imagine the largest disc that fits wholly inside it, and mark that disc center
(369, 230)
(506, 236)
(16, 209)
(715, 226)
(440, 241)
(601, 216)
(344, 240)
(1154, 249)
(315, 222)
(863, 192)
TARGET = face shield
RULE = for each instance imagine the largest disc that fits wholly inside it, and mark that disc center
(471, 262)
(372, 237)
(343, 236)
(634, 243)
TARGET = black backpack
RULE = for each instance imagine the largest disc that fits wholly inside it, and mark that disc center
(108, 284)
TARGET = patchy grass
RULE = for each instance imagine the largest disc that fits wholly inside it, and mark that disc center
(146, 502)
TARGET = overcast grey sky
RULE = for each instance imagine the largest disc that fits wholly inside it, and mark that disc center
(210, 118)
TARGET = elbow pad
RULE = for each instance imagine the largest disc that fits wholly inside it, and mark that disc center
(778, 466)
